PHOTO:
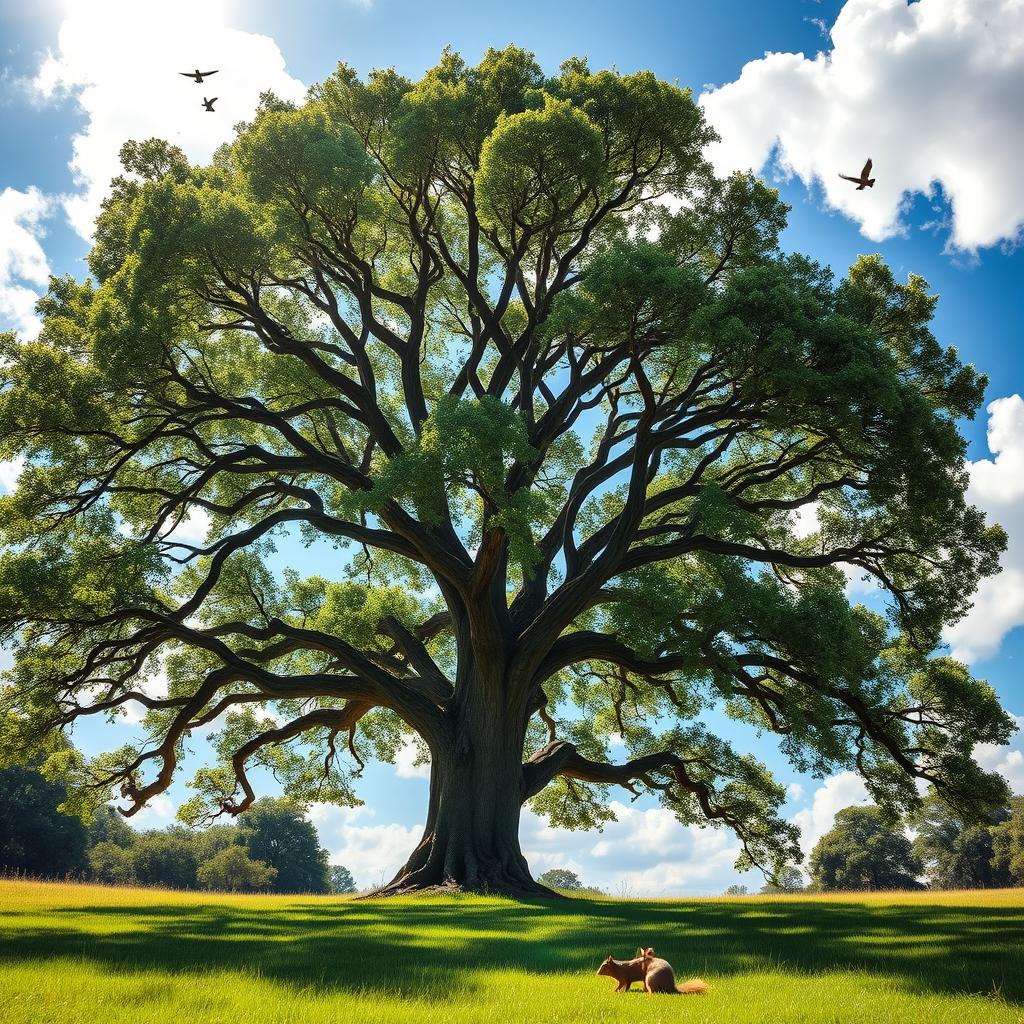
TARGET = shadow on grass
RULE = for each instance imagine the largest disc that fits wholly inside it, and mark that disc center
(434, 949)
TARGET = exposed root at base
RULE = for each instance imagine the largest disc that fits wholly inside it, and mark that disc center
(404, 887)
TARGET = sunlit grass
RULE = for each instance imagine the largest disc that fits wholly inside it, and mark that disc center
(94, 954)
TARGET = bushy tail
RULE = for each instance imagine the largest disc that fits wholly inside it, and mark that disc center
(692, 988)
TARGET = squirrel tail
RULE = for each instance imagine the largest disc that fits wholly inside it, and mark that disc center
(694, 987)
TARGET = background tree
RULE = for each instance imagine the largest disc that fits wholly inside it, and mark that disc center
(736, 890)
(863, 850)
(112, 863)
(1008, 844)
(233, 870)
(107, 825)
(560, 878)
(549, 437)
(164, 858)
(789, 879)
(342, 883)
(955, 854)
(35, 837)
(276, 833)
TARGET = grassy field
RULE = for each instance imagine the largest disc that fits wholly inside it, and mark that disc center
(126, 956)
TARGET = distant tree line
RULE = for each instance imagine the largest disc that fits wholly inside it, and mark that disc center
(566, 881)
(934, 848)
(272, 848)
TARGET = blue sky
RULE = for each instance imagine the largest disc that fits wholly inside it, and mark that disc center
(798, 89)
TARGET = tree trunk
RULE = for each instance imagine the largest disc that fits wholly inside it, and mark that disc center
(471, 838)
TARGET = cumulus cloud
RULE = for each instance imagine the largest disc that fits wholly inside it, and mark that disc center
(154, 686)
(24, 269)
(120, 60)
(645, 852)
(405, 763)
(842, 790)
(372, 852)
(193, 528)
(930, 90)
(997, 487)
(10, 470)
(1007, 760)
(159, 812)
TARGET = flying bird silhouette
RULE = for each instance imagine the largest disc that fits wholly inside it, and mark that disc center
(863, 181)
(197, 75)
(209, 104)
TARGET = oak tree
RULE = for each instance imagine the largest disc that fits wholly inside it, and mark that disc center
(582, 454)
(864, 850)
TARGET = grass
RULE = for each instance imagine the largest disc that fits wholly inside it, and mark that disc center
(79, 953)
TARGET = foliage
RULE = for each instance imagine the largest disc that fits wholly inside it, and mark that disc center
(164, 858)
(109, 826)
(789, 879)
(560, 878)
(864, 850)
(276, 833)
(35, 837)
(1008, 844)
(342, 883)
(558, 431)
(233, 870)
(112, 863)
(955, 854)
(736, 890)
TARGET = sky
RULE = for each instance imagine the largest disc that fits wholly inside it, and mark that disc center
(798, 90)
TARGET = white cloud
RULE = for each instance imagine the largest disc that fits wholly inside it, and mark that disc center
(805, 520)
(794, 792)
(405, 763)
(121, 59)
(645, 852)
(10, 470)
(997, 487)
(159, 812)
(193, 528)
(1007, 760)
(24, 269)
(929, 90)
(842, 790)
(373, 853)
(154, 686)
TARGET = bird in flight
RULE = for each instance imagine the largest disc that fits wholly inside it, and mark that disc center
(197, 75)
(209, 104)
(863, 181)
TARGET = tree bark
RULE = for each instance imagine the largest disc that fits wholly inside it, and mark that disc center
(471, 838)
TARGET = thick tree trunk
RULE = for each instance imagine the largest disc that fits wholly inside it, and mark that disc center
(471, 838)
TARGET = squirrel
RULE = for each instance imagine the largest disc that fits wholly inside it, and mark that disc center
(659, 977)
(625, 972)
(655, 973)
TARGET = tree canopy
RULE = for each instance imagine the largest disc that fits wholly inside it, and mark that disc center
(35, 837)
(561, 878)
(582, 453)
(233, 870)
(956, 854)
(342, 882)
(1008, 844)
(276, 833)
(864, 850)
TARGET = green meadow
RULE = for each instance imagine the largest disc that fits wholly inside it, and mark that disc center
(79, 953)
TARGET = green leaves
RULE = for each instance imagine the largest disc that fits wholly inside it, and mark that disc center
(597, 462)
(538, 168)
(294, 161)
(466, 451)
